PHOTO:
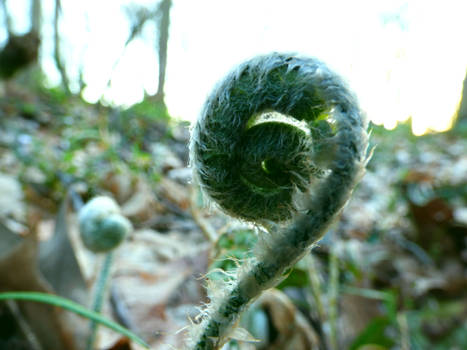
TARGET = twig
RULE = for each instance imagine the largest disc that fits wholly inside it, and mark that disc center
(206, 229)
(404, 331)
(23, 325)
(315, 283)
(333, 299)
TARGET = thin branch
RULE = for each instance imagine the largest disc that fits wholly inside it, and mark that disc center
(404, 331)
(206, 229)
(141, 16)
(25, 328)
(315, 283)
(333, 299)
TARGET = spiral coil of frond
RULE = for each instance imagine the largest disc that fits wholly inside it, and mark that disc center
(281, 139)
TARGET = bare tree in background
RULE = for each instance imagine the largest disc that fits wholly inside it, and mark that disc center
(20, 51)
(36, 25)
(36, 16)
(7, 18)
(163, 36)
(461, 121)
(138, 16)
(57, 54)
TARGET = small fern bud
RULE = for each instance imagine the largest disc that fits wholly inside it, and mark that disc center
(101, 225)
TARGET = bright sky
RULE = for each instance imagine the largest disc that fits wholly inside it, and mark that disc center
(402, 58)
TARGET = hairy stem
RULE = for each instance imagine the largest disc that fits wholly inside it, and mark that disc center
(291, 174)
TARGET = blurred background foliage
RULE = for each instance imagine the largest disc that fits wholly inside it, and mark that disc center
(390, 274)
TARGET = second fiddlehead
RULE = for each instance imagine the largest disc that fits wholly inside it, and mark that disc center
(281, 142)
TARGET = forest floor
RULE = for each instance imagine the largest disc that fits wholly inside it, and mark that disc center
(391, 273)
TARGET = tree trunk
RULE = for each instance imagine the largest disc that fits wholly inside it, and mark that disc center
(164, 24)
(461, 119)
(7, 18)
(463, 105)
(57, 55)
(36, 16)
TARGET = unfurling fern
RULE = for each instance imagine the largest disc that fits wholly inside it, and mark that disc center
(281, 142)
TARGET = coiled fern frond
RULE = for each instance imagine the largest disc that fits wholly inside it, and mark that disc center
(281, 142)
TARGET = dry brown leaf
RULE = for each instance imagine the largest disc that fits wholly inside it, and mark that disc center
(12, 208)
(57, 261)
(152, 288)
(142, 205)
(164, 158)
(357, 312)
(19, 272)
(121, 344)
(120, 184)
(293, 330)
(175, 193)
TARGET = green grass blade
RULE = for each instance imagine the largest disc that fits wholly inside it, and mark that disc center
(73, 307)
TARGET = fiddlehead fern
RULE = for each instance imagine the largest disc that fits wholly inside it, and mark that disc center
(281, 142)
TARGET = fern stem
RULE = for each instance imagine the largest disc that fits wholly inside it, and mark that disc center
(291, 174)
(101, 288)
